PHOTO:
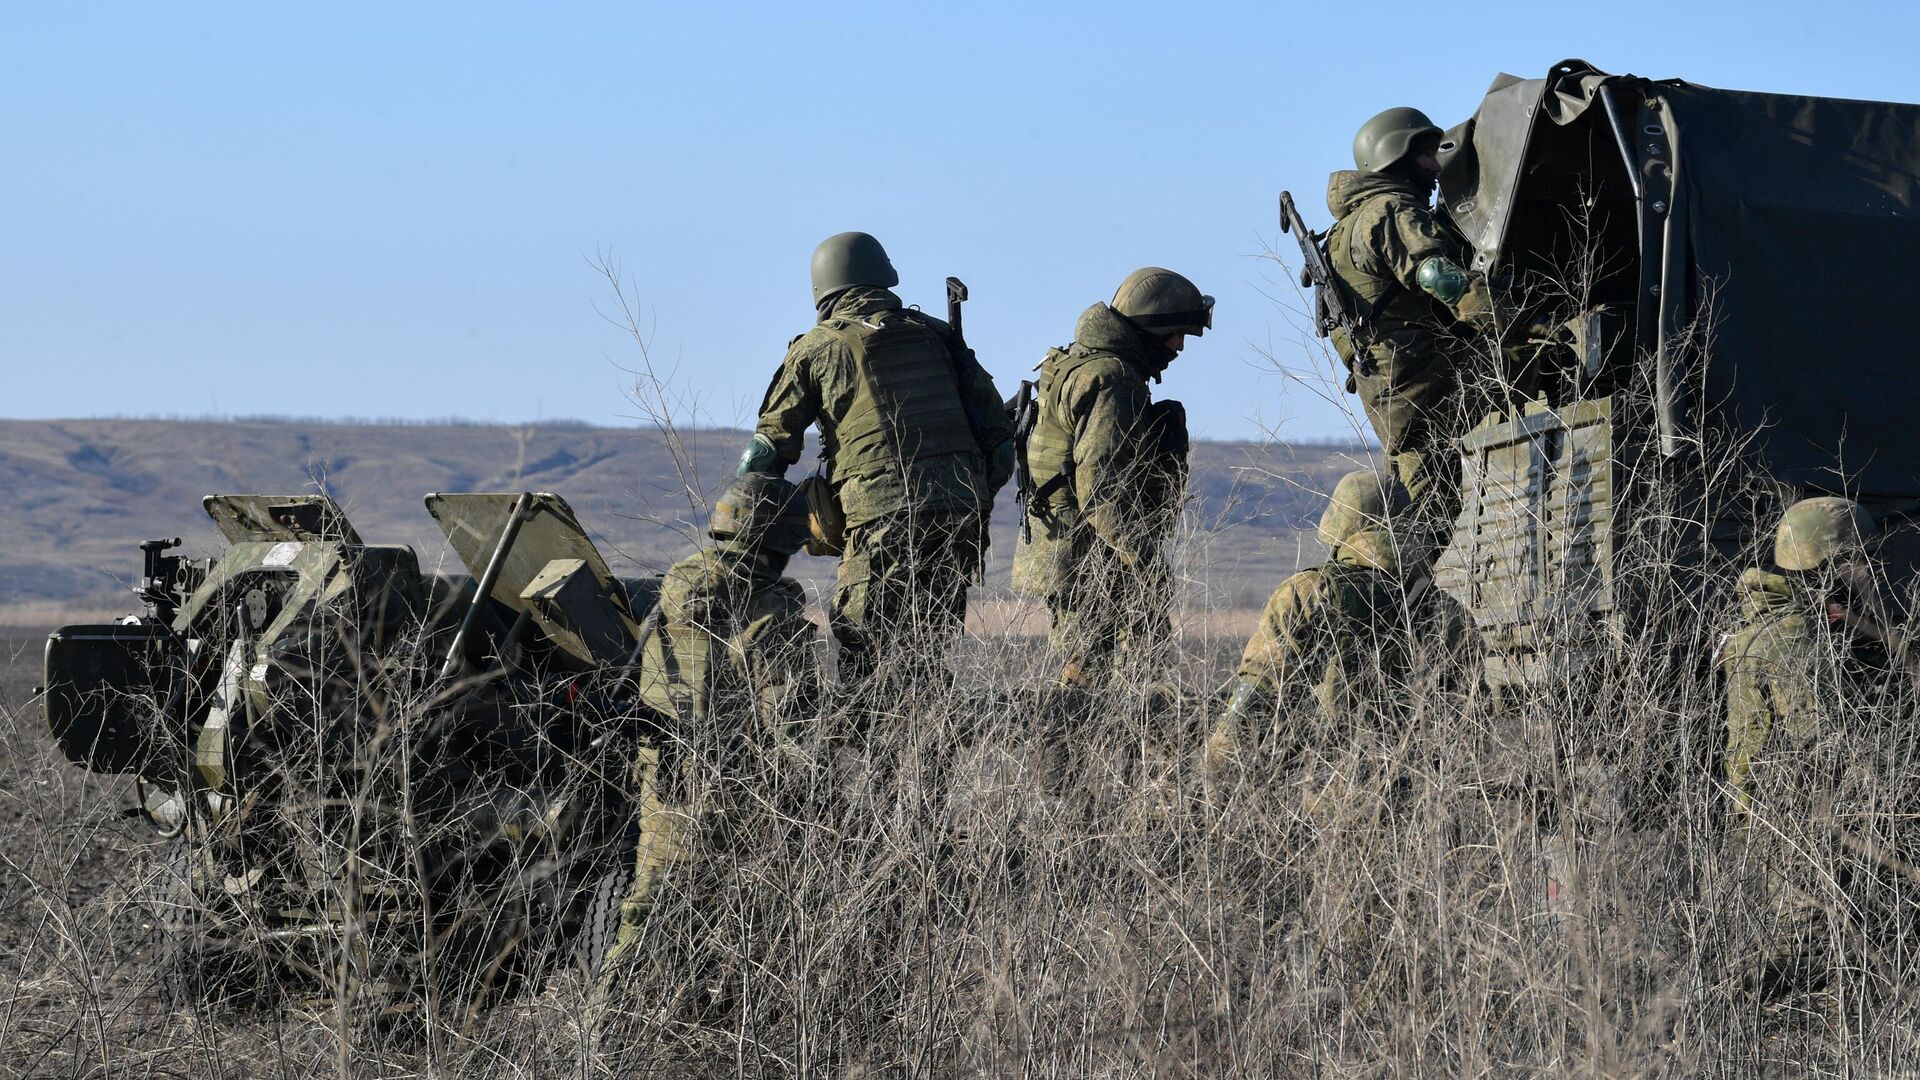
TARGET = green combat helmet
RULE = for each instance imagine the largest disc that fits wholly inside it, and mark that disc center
(762, 513)
(1389, 136)
(846, 259)
(1362, 502)
(1821, 530)
(1358, 518)
(1163, 303)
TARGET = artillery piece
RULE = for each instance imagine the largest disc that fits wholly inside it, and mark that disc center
(379, 780)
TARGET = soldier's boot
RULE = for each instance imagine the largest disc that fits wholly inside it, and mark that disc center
(662, 842)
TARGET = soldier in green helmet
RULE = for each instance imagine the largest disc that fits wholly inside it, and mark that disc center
(1809, 666)
(1341, 652)
(730, 671)
(1108, 467)
(915, 441)
(1420, 309)
(1337, 632)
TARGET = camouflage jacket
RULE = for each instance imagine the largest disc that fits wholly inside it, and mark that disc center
(1773, 674)
(819, 383)
(1091, 450)
(1383, 230)
(733, 639)
(1330, 626)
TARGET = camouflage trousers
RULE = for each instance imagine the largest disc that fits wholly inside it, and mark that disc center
(665, 831)
(1431, 476)
(1105, 611)
(1421, 443)
(901, 596)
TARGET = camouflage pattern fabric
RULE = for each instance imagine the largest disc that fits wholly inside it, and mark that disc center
(930, 453)
(732, 663)
(1322, 631)
(733, 641)
(1417, 347)
(1772, 681)
(1106, 612)
(1111, 497)
(1802, 703)
(901, 595)
(664, 829)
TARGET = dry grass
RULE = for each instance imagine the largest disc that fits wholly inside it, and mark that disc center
(999, 881)
(1001, 884)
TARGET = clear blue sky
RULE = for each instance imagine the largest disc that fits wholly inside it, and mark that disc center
(390, 211)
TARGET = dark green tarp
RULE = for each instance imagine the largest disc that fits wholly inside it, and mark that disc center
(1796, 228)
(1805, 240)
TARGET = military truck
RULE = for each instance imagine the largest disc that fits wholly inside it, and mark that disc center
(375, 780)
(1723, 269)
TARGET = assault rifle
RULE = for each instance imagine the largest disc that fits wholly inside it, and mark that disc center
(962, 355)
(1026, 411)
(1329, 307)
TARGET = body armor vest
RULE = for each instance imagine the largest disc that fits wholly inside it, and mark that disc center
(1382, 304)
(908, 405)
(1050, 447)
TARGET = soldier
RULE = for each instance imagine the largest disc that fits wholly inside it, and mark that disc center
(1330, 674)
(1327, 627)
(729, 668)
(1404, 275)
(1811, 650)
(915, 442)
(1108, 465)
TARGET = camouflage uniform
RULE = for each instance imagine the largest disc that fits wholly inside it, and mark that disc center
(918, 441)
(1408, 371)
(1318, 693)
(1330, 629)
(1107, 494)
(1771, 669)
(1350, 635)
(1794, 671)
(730, 670)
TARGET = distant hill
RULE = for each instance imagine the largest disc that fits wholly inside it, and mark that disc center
(77, 496)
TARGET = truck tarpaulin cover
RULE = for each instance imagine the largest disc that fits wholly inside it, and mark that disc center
(1801, 234)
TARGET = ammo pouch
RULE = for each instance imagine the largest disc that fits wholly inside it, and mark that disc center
(1166, 424)
(826, 521)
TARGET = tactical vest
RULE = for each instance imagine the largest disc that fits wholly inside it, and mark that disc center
(1381, 304)
(1049, 449)
(707, 597)
(907, 405)
(1050, 446)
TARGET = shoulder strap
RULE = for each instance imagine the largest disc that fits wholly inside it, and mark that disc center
(1069, 363)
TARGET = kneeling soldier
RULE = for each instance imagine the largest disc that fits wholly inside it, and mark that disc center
(1808, 677)
(1326, 628)
(729, 669)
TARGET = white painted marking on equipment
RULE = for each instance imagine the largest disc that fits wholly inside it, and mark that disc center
(283, 553)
